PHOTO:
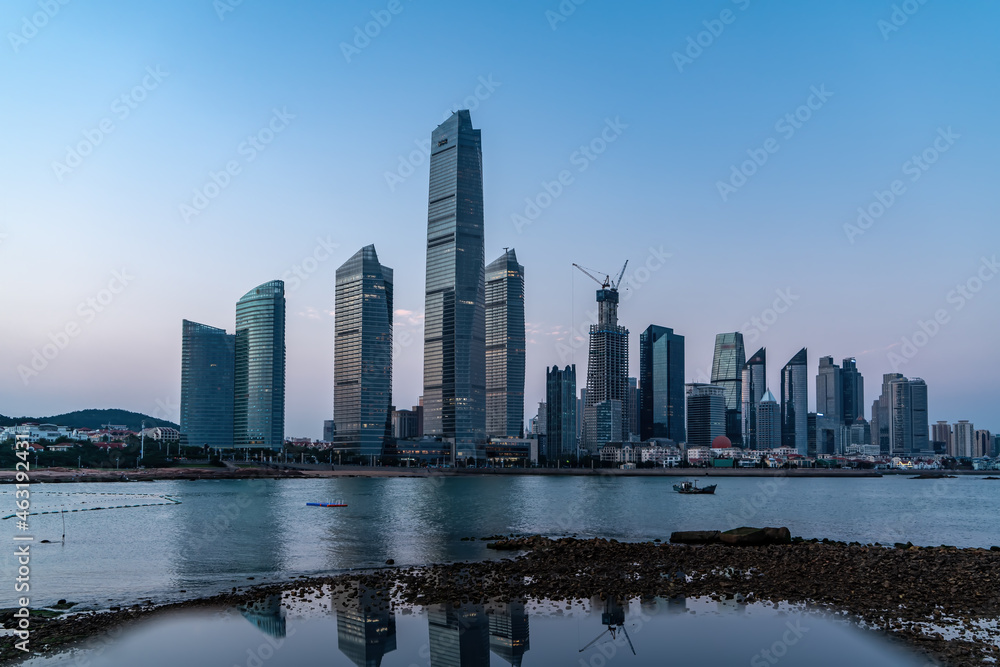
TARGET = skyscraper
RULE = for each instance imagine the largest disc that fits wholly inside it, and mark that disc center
(259, 403)
(505, 345)
(366, 628)
(754, 383)
(795, 403)
(963, 439)
(661, 384)
(633, 408)
(727, 369)
(560, 411)
(852, 391)
(607, 372)
(829, 408)
(363, 353)
(768, 415)
(880, 415)
(207, 359)
(706, 414)
(455, 299)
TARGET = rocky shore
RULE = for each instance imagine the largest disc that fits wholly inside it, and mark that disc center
(933, 599)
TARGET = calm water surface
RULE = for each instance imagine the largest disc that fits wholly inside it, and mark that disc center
(222, 532)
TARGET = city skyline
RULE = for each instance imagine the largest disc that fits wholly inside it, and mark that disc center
(115, 237)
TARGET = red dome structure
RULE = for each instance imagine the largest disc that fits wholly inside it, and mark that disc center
(722, 442)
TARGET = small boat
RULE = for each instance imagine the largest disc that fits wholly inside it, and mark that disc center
(335, 503)
(692, 487)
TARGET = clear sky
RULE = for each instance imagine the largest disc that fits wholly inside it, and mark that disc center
(116, 115)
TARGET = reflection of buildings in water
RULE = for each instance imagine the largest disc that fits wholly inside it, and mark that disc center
(367, 630)
(509, 631)
(459, 636)
(735, 603)
(652, 606)
(676, 604)
(267, 614)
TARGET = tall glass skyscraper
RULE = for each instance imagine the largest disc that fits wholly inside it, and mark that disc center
(455, 300)
(852, 391)
(363, 353)
(661, 384)
(259, 403)
(207, 358)
(560, 411)
(795, 403)
(505, 345)
(727, 369)
(706, 414)
(754, 384)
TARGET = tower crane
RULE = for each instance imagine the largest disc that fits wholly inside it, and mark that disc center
(606, 283)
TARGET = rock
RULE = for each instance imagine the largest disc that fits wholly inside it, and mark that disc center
(695, 537)
(778, 535)
(744, 537)
(390, 562)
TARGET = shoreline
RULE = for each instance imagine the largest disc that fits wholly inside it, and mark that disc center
(906, 593)
(298, 471)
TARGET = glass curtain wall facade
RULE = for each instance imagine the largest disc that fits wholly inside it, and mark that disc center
(259, 403)
(754, 384)
(661, 384)
(560, 412)
(795, 404)
(706, 414)
(505, 345)
(455, 301)
(852, 391)
(207, 367)
(727, 368)
(363, 354)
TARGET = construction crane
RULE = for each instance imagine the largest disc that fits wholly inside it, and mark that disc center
(606, 283)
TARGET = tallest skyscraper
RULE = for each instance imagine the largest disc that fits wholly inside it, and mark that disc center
(455, 296)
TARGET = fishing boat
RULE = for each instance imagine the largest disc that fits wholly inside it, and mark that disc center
(692, 487)
(335, 503)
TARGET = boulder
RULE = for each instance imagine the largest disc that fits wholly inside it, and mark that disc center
(744, 537)
(694, 537)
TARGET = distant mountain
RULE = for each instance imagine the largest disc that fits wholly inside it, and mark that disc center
(93, 419)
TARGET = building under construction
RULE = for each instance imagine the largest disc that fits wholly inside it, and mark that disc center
(605, 416)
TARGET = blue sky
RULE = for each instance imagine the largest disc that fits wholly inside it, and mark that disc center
(334, 172)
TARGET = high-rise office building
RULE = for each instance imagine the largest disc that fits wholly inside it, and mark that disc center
(829, 408)
(880, 415)
(768, 415)
(754, 383)
(362, 354)
(661, 384)
(259, 374)
(207, 367)
(505, 345)
(509, 635)
(706, 413)
(607, 371)
(984, 443)
(633, 408)
(899, 417)
(581, 403)
(941, 436)
(560, 411)
(963, 439)
(329, 430)
(455, 298)
(727, 372)
(608, 422)
(795, 403)
(852, 391)
(458, 635)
